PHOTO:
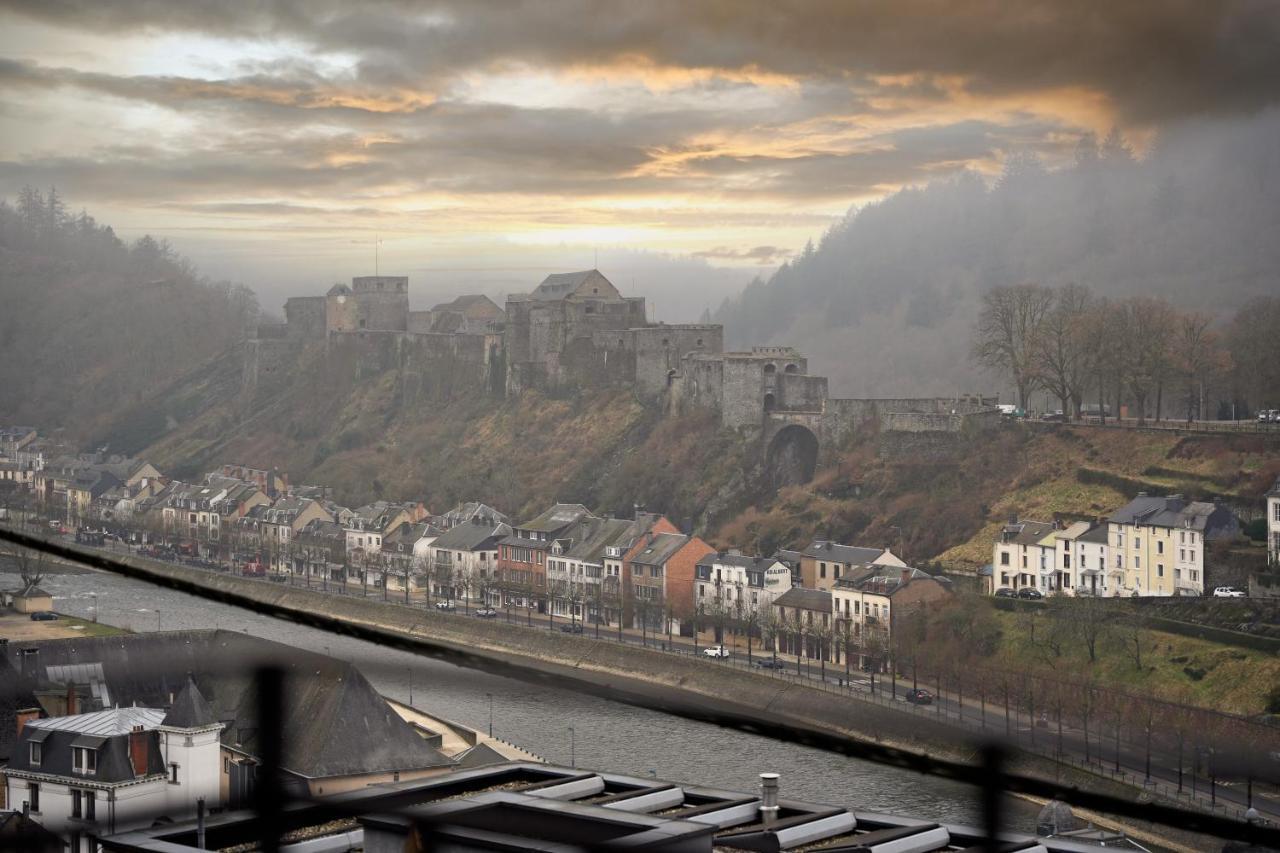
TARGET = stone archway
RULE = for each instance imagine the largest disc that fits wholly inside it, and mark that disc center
(792, 456)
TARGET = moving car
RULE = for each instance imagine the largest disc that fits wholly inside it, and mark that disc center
(1227, 592)
(1030, 592)
(715, 652)
(1006, 592)
(920, 696)
(571, 628)
(487, 613)
(770, 663)
(1054, 417)
(446, 606)
(44, 616)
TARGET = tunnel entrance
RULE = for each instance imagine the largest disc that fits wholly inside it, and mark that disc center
(792, 456)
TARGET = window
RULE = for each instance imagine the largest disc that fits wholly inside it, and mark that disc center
(33, 796)
(226, 765)
(83, 804)
(1160, 547)
(173, 774)
(1066, 561)
(1137, 543)
(84, 760)
(1137, 562)
(1160, 570)
(822, 570)
(1004, 558)
(35, 754)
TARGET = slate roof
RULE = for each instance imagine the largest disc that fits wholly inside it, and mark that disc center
(480, 755)
(336, 724)
(32, 591)
(851, 554)
(1275, 489)
(661, 548)
(469, 510)
(805, 599)
(1213, 520)
(108, 723)
(556, 519)
(559, 285)
(472, 536)
(19, 832)
(1026, 532)
(190, 710)
(15, 696)
(755, 564)
(107, 732)
(592, 535)
(883, 583)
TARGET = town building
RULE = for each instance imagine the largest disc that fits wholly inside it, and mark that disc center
(1160, 543)
(575, 568)
(463, 560)
(870, 611)
(114, 770)
(1024, 555)
(658, 576)
(733, 587)
(801, 623)
(824, 562)
(522, 556)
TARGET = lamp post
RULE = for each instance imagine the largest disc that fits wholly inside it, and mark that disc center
(490, 695)
(573, 758)
(95, 606)
(157, 620)
(410, 671)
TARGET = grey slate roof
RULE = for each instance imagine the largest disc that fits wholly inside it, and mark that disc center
(592, 535)
(1213, 520)
(108, 723)
(1275, 489)
(480, 755)
(555, 519)
(15, 696)
(660, 549)
(472, 536)
(805, 599)
(560, 285)
(852, 554)
(1096, 534)
(107, 732)
(1026, 532)
(190, 710)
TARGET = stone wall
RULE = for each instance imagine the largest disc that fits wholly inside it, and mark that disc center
(383, 302)
(430, 367)
(305, 316)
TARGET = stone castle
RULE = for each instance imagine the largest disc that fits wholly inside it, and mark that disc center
(577, 331)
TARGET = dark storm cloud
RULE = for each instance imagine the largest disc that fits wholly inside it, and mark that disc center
(1154, 61)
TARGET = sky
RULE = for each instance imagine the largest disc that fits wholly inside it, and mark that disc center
(683, 147)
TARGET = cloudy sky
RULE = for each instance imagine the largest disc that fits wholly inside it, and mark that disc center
(274, 141)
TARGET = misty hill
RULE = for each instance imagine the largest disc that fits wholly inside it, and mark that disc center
(885, 304)
(91, 324)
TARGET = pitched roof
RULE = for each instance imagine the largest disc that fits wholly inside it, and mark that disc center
(480, 755)
(555, 519)
(562, 285)
(821, 549)
(1096, 534)
(190, 710)
(472, 536)
(1275, 489)
(108, 723)
(470, 510)
(1172, 511)
(661, 547)
(1026, 532)
(592, 535)
(805, 599)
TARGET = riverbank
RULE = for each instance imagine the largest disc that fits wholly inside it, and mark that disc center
(686, 686)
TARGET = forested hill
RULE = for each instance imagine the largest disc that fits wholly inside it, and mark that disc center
(885, 304)
(91, 324)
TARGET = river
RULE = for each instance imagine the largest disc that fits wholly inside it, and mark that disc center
(606, 735)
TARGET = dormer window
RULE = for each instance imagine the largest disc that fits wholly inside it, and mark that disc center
(84, 760)
(35, 753)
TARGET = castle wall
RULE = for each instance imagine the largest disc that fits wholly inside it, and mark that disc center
(659, 351)
(305, 316)
(420, 321)
(800, 392)
(743, 392)
(341, 313)
(430, 367)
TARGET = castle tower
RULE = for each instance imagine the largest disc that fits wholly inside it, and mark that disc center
(382, 302)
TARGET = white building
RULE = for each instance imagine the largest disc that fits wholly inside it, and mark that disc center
(1273, 525)
(734, 586)
(463, 560)
(1025, 556)
(105, 772)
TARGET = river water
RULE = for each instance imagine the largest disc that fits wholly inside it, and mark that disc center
(606, 735)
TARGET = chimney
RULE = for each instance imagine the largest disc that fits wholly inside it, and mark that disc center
(139, 747)
(768, 798)
(30, 662)
(906, 575)
(72, 704)
(25, 716)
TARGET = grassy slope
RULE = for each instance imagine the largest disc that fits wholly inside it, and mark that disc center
(1233, 679)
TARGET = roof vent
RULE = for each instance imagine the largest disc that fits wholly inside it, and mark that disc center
(768, 798)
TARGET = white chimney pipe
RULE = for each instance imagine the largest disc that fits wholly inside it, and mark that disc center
(768, 798)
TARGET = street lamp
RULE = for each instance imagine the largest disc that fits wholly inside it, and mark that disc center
(157, 620)
(573, 758)
(95, 606)
(490, 695)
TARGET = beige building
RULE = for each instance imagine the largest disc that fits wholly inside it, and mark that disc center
(1273, 525)
(865, 609)
(823, 563)
(1157, 544)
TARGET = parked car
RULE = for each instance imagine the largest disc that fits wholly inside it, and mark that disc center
(487, 613)
(446, 606)
(1054, 417)
(770, 663)
(1006, 592)
(1227, 592)
(715, 652)
(44, 616)
(920, 696)
(1030, 592)
(572, 628)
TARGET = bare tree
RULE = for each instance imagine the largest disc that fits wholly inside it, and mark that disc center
(1146, 326)
(1008, 333)
(31, 564)
(1061, 349)
(1198, 360)
(1104, 350)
